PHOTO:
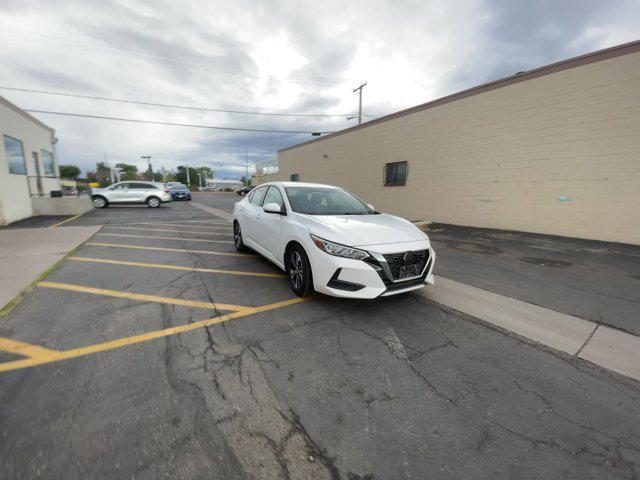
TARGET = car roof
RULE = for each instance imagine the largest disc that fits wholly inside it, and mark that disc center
(300, 184)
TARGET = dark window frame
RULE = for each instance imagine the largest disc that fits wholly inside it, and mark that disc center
(397, 183)
(296, 179)
(24, 159)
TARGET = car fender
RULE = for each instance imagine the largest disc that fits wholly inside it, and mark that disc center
(301, 234)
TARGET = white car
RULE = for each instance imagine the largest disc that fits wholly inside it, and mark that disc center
(152, 193)
(329, 240)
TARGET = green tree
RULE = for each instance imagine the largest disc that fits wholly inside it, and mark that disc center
(128, 172)
(164, 175)
(194, 175)
(101, 175)
(69, 171)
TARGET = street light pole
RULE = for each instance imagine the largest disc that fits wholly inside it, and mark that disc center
(246, 166)
(359, 90)
(188, 178)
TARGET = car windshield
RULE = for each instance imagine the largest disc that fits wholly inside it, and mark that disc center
(179, 187)
(325, 201)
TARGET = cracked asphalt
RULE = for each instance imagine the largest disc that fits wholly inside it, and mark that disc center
(395, 388)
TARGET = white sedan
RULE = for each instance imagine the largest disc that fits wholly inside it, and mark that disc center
(329, 240)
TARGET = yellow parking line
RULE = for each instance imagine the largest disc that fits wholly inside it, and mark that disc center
(163, 238)
(165, 249)
(55, 356)
(25, 349)
(142, 297)
(170, 230)
(176, 267)
(67, 220)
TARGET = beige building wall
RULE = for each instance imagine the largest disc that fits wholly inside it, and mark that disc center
(260, 179)
(15, 200)
(504, 158)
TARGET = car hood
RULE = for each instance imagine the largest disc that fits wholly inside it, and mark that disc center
(362, 230)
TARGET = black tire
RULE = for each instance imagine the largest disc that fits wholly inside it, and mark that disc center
(154, 202)
(99, 202)
(299, 271)
(237, 238)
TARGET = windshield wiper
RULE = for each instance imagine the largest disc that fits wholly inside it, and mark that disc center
(355, 213)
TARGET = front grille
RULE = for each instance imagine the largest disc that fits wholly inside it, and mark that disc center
(397, 260)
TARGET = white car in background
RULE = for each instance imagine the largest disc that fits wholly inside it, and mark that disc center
(152, 193)
(328, 240)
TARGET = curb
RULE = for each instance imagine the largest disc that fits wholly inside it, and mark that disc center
(609, 348)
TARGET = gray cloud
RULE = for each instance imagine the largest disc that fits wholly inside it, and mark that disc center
(209, 54)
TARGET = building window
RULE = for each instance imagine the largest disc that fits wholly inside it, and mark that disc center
(47, 160)
(295, 177)
(395, 174)
(15, 155)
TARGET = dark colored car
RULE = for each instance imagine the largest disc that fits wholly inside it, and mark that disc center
(244, 190)
(180, 192)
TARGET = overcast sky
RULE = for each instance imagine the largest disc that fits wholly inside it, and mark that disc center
(272, 56)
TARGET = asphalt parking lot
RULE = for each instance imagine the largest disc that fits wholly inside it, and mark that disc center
(156, 350)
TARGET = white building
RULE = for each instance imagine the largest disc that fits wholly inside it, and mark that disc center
(28, 165)
(222, 184)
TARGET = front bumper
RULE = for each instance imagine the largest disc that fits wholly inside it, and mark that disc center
(369, 278)
(181, 196)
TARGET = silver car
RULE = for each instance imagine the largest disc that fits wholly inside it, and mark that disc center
(152, 193)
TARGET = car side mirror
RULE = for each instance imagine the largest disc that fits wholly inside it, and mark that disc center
(272, 208)
(371, 207)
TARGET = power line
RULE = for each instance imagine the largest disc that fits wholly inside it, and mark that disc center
(203, 109)
(134, 120)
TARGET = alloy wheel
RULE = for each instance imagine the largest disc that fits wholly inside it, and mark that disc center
(98, 202)
(154, 202)
(296, 270)
(237, 236)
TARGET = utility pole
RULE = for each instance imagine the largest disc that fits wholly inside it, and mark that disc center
(359, 90)
(246, 166)
(188, 178)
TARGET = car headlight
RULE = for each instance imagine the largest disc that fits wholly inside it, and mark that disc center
(339, 250)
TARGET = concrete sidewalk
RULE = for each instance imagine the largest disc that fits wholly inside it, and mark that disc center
(596, 281)
(25, 253)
